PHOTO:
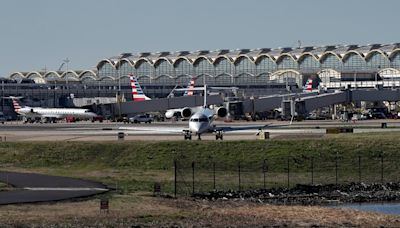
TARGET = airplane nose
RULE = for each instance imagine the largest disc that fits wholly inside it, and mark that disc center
(196, 128)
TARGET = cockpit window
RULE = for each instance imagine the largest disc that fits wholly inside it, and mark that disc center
(203, 120)
(194, 120)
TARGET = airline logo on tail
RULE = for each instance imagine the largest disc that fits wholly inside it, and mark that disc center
(189, 92)
(137, 92)
(17, 106)
(308, 86)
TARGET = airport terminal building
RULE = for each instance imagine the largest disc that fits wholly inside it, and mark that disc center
(255, 72)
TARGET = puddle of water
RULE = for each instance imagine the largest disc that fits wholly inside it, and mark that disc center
(385, 208)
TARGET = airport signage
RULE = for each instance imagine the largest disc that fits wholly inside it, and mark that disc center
(104, 205)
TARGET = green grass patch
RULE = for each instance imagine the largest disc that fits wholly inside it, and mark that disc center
(136, 165)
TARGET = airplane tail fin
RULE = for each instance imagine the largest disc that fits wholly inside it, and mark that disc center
(308, 85)
(137, 92)
(189, 92)
(16, 104)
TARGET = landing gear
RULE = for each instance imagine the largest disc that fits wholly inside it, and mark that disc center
(48, 120)
(198, 136)
(187, 135)
(219, 135)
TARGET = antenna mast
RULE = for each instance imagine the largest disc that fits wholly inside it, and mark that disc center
(205, 91)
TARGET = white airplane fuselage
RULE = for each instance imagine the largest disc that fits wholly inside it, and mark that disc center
(201, 121)
(58, 113)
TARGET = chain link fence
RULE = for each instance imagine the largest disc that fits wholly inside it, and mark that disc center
(283, 171)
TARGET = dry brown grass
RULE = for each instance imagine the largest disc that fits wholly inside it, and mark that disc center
(141, 209)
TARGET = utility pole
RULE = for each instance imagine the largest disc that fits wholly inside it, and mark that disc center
(121, 56)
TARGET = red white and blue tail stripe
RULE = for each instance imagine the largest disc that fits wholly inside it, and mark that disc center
(308, 86)
(189, 92)
(16, 105)
(137, 92)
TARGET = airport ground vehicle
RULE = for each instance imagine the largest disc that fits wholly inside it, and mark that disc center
(70, 119)
(98, 118)
(376, 115)
(145, 118)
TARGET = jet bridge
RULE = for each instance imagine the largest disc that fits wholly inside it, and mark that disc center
(163, 104)
(269, 103)
(305, 105)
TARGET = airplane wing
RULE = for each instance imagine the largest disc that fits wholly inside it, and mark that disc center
(249, 128)
(241, 128)
(179, 130)
(155, 129)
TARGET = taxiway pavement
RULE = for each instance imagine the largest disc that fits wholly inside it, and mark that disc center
(108, 131)
(32, 188)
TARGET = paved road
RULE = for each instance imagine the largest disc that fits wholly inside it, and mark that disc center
(87, 131)
(30, 188)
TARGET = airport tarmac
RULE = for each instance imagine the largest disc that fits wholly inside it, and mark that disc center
(31, 187)
(108, 131)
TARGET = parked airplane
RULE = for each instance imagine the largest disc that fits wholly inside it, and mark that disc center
(186, 112)
(137, 92)
(308, 87)
(50, 114)
(201, 122)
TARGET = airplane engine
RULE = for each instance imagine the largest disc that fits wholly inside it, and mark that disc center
(186, 112)
(222, 112)
(169, 114)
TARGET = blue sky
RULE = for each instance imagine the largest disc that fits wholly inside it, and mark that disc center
(41, 33)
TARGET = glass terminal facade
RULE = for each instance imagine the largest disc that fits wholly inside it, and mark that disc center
(254, 70)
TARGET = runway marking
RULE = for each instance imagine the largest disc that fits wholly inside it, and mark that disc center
(65, 189)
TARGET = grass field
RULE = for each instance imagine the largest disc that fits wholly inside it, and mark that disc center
(136, 165)
(133, 167)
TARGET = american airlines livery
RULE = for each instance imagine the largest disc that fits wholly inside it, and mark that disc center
(308, 87)
(201, 122)
(50, 114)
(186, 112)
(137, 92)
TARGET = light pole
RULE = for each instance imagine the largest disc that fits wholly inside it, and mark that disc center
(54, 93)
(376, 75)
(119, 77)
(66, 61)
(121, 56)
(2, 95)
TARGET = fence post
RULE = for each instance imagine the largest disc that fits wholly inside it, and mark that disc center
(288, 172)
(239, 176)
(175, 171)
(382, 168)
(264, 173)
(214, 174)
(336, 170)
(359, 169)
(192, 177)
(312, 170)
